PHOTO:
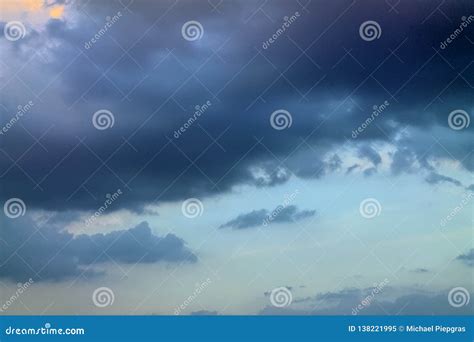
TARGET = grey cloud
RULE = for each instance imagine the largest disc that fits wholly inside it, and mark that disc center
(467, 258)
(366, 151)
(264, 217)
(48, 253)
(436, 178)
(345, 301)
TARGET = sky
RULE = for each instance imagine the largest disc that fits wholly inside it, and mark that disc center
(236, 157)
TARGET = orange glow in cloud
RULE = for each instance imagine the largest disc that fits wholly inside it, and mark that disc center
(21, 5)
(56, 12)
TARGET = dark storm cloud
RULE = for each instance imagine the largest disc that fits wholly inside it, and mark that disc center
(47, 253)
(264, 217)
(154, 88)
(359, 301)
(467, 258)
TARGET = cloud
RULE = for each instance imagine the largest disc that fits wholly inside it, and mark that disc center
(436, 178)
(264, 217)
(467, 258)
(48, 253)
(153, 90)
(387, 302)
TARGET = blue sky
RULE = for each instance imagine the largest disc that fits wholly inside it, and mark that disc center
(266, 187)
